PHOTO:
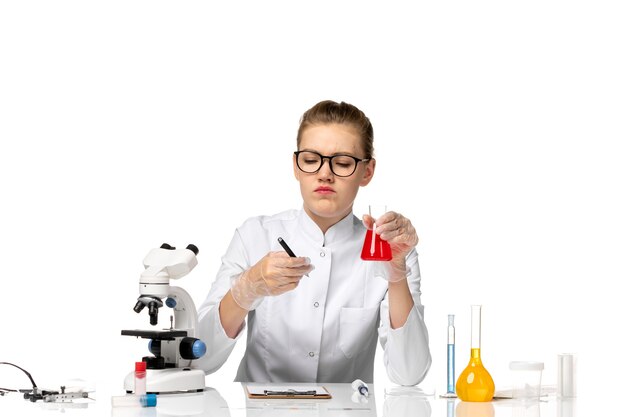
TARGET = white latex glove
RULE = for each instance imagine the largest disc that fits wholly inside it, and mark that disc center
(398, 231)
(275, 274)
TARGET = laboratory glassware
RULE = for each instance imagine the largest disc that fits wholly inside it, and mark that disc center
(526, 376)
(374, 248)
(140, 378)
(475, 383)
(566, 375)
(144, 400)
(451, 361)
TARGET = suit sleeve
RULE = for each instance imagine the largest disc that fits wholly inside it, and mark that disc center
(210, 329)
(407, 355)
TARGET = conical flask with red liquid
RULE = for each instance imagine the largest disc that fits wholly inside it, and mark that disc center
(374, 248)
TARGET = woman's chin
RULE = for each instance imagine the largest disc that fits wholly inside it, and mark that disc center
(328, 212)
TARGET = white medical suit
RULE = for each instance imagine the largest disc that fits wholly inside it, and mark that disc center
(325, 329)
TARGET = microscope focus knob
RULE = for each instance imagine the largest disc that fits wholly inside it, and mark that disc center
(192, 348)
(170, 302)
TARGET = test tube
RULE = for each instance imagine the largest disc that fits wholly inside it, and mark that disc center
(373, 245)
(140, 378)
(145, 400)
(451, 354)
(566, 375)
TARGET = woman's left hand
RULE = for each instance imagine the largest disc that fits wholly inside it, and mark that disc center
(395, 229)
(399, 232)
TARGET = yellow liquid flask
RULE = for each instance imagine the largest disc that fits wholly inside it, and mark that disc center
(475, 384)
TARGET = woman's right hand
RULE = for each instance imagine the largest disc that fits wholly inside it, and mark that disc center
(275, 274)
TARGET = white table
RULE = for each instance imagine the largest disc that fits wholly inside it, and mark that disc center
(229, 400)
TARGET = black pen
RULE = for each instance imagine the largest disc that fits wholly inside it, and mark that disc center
(286, 248)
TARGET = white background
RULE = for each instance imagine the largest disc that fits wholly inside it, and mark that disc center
(125, 124)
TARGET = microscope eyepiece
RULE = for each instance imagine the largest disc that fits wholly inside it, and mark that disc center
(193, 248)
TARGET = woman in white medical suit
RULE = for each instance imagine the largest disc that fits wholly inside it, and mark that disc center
(317, 317)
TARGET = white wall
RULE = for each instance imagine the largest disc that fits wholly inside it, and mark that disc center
(127, 124)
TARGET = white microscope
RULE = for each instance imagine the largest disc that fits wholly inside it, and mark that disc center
(169, 370)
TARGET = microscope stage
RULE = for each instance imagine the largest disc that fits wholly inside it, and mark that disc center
(156, 334)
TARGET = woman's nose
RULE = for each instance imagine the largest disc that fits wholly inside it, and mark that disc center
(325, 171)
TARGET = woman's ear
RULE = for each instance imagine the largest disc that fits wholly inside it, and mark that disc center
(369, 173)
(296, 170)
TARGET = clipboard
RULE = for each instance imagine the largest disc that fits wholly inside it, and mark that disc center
(292, 392)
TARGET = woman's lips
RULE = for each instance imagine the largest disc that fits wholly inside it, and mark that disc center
(324, 190)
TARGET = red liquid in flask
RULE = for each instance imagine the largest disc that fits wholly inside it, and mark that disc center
(381, 251)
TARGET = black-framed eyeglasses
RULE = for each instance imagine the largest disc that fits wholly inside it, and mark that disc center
(341, 165)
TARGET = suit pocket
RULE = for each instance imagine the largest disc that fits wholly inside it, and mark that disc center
(356, 327)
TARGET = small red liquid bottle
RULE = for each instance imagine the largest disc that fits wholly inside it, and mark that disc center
(140, 378)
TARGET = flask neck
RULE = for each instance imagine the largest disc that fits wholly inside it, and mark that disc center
(476, 327)
(475, 355)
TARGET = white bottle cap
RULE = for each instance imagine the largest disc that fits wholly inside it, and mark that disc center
(526, 366)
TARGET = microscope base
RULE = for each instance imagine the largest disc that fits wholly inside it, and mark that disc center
(160, 381)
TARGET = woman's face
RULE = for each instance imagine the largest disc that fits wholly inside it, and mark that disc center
(327, 197)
